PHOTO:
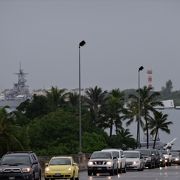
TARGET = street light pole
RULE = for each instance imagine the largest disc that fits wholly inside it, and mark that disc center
(82, 43)
(139, 108)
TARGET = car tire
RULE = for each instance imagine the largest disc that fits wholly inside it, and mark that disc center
(73, 178)
(111, 172)
(124, 169)
(33, 177)
(39, 176)
(89, 173)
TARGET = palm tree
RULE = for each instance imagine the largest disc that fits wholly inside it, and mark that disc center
(131, 114)
(95, 98)
(7, 138)
(56, 97)
(126, 138)
(148, 101)
(72, 100)
(113, 110)
(159, 122)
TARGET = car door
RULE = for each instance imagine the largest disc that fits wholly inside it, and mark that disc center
(35, 165)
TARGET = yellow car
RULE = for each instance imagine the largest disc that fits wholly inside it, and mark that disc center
(62, 167)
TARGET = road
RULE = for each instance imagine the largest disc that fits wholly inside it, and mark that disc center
(166, 173)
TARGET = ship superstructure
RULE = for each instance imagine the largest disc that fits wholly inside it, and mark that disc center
(18, 94)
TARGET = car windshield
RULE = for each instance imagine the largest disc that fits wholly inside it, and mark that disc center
(101, 155)
(60, 161)
(175, 154)
(131, 154)
(145, 152)
(15, 160)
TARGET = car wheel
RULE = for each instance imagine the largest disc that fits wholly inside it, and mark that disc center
(89, 173)
(39, 178)
(124, 169)
(33, 177)
(73, 178)
(111, 172)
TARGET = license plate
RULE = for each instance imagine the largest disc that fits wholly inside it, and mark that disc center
(57, 174)
(11, 178)
(99, 168)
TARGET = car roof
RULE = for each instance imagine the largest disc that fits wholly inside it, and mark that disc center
(111, 149)
(132, 151)
(19, 153)
(54, 157)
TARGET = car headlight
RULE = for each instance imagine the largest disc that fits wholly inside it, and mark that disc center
(46, 169)
(177, 159)
(26, 170)
(136, 162)
(109, 163)
(90, 163)
(69, 168)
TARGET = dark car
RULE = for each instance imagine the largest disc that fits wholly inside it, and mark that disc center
(156, 155)
(149, 157)
(175, 157)
(20, 166)
(162, 159)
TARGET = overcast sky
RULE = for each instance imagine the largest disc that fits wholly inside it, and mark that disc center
(120, 35)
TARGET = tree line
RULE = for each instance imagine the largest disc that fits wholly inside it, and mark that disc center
(49, 125)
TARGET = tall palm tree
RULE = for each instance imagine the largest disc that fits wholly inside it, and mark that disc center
(148, 101)
(114, 110)
(95, 98)
(159, 122)
(131, 114)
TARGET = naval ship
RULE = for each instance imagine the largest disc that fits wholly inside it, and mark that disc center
(12, 98)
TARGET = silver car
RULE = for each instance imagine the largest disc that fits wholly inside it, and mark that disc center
(134, 160)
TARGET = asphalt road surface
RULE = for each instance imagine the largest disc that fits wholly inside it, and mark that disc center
(166, 173)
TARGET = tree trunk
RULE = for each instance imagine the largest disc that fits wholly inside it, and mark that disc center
(111, 128)
(154, 145)
(147, 131)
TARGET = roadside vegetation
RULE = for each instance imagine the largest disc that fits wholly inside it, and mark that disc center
(49, 125)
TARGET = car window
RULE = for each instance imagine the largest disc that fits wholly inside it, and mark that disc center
(15, 160)
(60, 161)
(116, 154)
(132, 154)
(101, 155)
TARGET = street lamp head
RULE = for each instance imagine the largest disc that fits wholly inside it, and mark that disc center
(82, 43)
(141, 68)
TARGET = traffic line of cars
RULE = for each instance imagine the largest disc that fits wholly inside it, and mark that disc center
(114, 161)
(25, 165)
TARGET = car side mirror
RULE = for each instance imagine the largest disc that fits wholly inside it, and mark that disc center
(74, 164)
(122, 156)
